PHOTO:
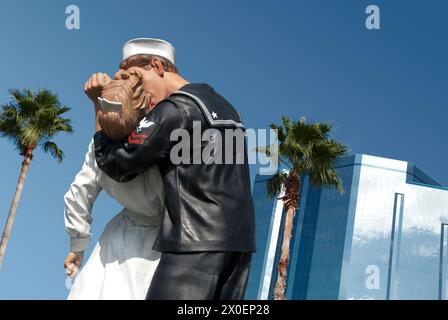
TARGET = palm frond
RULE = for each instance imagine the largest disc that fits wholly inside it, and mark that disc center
(287, 125)
(63, 109)
(30, 136)
(10, 124)
(60, 127)
(20, 95)
(326, 177)
(46, 99)
(279, 131)
(55, 151)
(275, 183)
(324, 158)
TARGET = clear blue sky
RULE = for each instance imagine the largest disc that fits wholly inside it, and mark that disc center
(385, 91)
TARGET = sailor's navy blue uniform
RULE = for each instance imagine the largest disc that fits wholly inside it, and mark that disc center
(207, 234)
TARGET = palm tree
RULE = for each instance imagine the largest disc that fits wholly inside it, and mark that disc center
(31, 120)
(304, 148)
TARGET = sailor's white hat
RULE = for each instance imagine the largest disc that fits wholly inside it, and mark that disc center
(151, 46)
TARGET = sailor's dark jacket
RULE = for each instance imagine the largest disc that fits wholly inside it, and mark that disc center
(208, 196)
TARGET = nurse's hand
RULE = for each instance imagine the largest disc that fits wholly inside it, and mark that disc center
(73, 262)
(95, 85)
(93, 88)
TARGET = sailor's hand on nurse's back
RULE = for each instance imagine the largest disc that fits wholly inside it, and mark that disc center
(95, 85)
(73, 262)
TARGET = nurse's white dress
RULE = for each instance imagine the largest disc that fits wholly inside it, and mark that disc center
(122, 263)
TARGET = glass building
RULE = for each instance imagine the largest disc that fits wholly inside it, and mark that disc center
(386, 237)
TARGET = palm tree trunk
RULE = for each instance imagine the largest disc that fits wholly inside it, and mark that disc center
(279, 292)
(15, 202)
(291, 200)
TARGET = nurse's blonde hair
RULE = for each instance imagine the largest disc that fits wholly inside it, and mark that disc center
(118, 124)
